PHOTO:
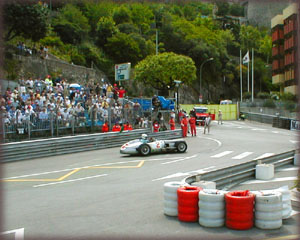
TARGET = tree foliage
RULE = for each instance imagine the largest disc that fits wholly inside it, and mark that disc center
(160, 71)
(25, 20)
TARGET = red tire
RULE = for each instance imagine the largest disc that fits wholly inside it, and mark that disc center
(187, 199)
(239, 210)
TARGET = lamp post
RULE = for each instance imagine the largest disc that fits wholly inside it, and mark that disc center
(207, 60)
(177, 82)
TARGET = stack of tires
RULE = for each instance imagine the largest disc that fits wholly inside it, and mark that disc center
(170, 198)
(211, 208)
(286, 201)
(239, 210)
(188, 199)
(268, 210)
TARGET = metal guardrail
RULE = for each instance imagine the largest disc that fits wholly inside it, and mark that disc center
(233, 175)
(64, 145)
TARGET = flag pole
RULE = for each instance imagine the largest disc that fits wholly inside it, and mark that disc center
(248, 74)
(252, 75)
(241, 75)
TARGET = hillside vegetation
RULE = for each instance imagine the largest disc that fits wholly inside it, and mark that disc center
(105, 33)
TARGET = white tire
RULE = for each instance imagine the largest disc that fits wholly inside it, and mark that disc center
(171, 187)
(211, 195)
(211, 222)
(170, 204)
(211, 205)
(268, 216)
(173, 212)
(268, 197)
(209, 214)
(170, 196)
(272, 207)
(268, 224)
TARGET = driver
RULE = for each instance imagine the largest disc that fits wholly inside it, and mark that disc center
(145, 138)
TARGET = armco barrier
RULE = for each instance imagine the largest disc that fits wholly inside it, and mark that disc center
(233, 175)
(64, 145)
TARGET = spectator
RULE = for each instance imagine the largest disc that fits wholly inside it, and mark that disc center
(116, 127)
(121, 94)
(184, 126)
(192, 122)
(207, 123)
(105, 127)
(155, 126)
(43, 115)
(172, 123)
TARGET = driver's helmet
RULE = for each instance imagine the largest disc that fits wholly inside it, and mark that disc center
(144, 136)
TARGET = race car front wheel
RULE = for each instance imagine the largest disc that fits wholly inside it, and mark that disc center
(181, 147)
(144, 149)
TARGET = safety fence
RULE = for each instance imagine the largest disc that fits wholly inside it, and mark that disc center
(276, 121)
(72, 144)
(233, 175)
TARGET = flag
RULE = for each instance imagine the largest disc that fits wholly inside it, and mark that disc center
(246, 58)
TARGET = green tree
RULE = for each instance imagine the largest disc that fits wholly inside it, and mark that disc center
(71, 25)
(160, 71)
(223, 8)
(250, 37)
(121, 15)
(105, 29)
(25, 20)
(236, 10)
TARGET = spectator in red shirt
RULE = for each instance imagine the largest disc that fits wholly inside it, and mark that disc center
(184, 126)
(172, 123)
(121, 94)
(192, 122)
(155, 126)
(127, 126)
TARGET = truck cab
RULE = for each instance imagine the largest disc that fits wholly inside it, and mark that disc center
(201, 113)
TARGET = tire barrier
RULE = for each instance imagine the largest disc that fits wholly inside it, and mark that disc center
(211, 208)
(264, 171)
(268, 209)
(286, 201)
(188, 203)
(239, 210)
(170, 198)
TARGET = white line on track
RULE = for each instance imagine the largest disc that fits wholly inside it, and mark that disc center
(182, 159)
(212, 139)
(222, 154)
(73, 180)
(242, 155)
(264, 156)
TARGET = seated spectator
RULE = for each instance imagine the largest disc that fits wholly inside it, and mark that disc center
(43, 115)
(127, 126)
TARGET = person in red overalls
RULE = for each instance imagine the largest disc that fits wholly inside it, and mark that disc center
(127, 126)
(105, 127)
(172, 123)
(192, 122)
(155, 126)
(184, 126)
(116, 127)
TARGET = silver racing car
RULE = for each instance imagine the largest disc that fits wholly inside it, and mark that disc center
(145, 146)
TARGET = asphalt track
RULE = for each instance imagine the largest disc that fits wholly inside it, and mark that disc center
(102, 194)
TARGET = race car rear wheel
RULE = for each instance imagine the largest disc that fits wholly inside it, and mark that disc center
(144, 149)
(181, 147)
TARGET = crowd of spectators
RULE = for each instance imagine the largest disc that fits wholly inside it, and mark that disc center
(37, 101)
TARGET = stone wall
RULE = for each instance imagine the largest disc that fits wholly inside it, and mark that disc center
(38, 67)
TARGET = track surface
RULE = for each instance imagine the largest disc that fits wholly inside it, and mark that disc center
(104, 194)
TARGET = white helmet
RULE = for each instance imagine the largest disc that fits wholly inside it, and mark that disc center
(144, 136)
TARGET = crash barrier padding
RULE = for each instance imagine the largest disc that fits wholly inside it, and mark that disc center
(187, 199)
(170, 198)
(211, 208)
(239, 209)
(268, 209)
(264, 171)
(286, 201)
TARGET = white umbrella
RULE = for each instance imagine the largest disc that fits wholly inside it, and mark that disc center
(75, 85)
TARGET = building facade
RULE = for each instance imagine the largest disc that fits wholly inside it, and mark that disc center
(285, 49)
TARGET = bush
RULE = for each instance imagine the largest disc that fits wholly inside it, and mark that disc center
(288, 97)
(269, 103)
(247, 95)
(263, 95)
(52, 41)
(78, 59)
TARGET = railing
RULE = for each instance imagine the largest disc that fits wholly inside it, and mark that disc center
(236, 174)
(64, 145)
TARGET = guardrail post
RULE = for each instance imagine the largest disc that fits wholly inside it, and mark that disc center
(73, 125)
(3, 131)
(28, 127)
(51, 125)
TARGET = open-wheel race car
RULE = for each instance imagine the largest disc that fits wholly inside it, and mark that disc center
(145, 146)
